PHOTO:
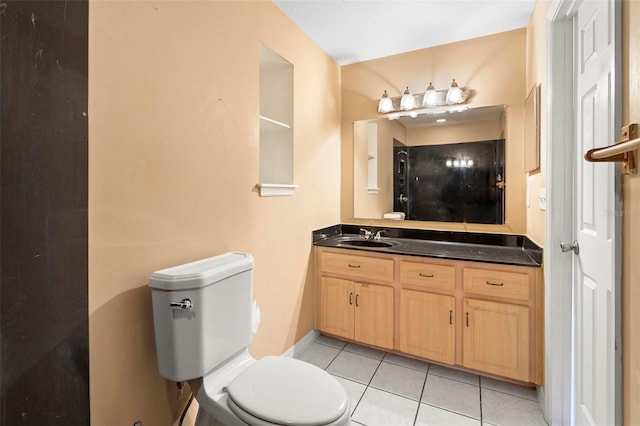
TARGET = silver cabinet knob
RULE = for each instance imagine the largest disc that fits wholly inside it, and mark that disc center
(183, 304)
(574, 247)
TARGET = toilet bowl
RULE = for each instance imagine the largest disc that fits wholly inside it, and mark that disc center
(271, 391)
(202, 322)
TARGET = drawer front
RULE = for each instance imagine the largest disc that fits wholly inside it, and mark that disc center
(357, 266)
(512, 285)
(427, 275)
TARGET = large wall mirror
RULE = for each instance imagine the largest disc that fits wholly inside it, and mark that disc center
(447, 166)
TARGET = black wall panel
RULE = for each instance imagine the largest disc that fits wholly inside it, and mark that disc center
(44, 355)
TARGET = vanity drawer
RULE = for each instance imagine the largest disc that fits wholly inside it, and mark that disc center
(512, 285)
(439, 277)
(357, 266)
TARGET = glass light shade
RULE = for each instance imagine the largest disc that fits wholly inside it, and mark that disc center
(430, 98)
(408, 102)
(455, 95)
(386, 104)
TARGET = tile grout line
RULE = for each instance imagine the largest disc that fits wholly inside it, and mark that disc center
(424, 385)
(449, 410)
(480, 398)
(428, 371)
(370, 380)
(333, 359)
(512, 394)
(365, 386)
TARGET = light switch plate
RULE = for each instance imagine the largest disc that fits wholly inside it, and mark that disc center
(542, 199)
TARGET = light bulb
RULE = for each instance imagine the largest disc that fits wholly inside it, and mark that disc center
(449, 163)
(430, 98)
(408, 102)
(455, 95)
(386, 104)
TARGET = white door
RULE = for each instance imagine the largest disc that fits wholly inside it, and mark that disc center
(595, 267)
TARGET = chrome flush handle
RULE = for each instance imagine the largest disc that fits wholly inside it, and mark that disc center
(183, 304)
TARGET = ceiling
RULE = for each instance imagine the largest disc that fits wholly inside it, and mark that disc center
(358, 30)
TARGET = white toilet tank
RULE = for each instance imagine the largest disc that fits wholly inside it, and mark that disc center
(201, 314)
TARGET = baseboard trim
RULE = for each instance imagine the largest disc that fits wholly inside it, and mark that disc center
(302, 344)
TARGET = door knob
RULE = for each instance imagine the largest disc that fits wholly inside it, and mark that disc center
(574, 247)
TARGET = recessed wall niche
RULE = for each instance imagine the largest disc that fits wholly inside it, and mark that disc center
(276, 125)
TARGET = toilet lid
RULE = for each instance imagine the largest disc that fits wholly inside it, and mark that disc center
(288, 391)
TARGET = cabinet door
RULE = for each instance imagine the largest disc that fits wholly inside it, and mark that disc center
(496, 338)
(427, 326)
(337, 302)
(374, 315)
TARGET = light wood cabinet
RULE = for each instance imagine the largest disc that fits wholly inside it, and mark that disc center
(336, 307)
(374, 315)
(357, 267)
(427, 275)
(493, 282)
(496, 338)
(427, 327)
(480, 316)
(357, 311)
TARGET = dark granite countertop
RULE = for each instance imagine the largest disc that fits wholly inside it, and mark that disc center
(492, 248)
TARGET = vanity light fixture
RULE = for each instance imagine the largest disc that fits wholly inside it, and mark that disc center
(441, 120)
(386, 104)
(431, 98)
(455, 95)
(408, 102)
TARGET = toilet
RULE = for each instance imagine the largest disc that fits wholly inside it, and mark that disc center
(203, 316)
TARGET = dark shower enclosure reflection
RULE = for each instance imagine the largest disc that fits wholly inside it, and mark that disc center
(460, 182)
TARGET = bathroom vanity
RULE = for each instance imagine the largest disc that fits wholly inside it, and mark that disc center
(468, 300)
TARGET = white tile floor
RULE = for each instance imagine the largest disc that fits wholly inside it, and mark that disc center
(390, 390)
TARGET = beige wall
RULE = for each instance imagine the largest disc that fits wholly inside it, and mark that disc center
(537, 74)
(631, 220)
(492, 67)
(366, 204)
(387, 132)
(173, 161)
(455, 133)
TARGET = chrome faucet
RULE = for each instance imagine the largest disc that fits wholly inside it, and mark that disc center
(379, 233)
(366, 233)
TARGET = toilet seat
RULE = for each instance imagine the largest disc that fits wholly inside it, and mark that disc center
(286, 391)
